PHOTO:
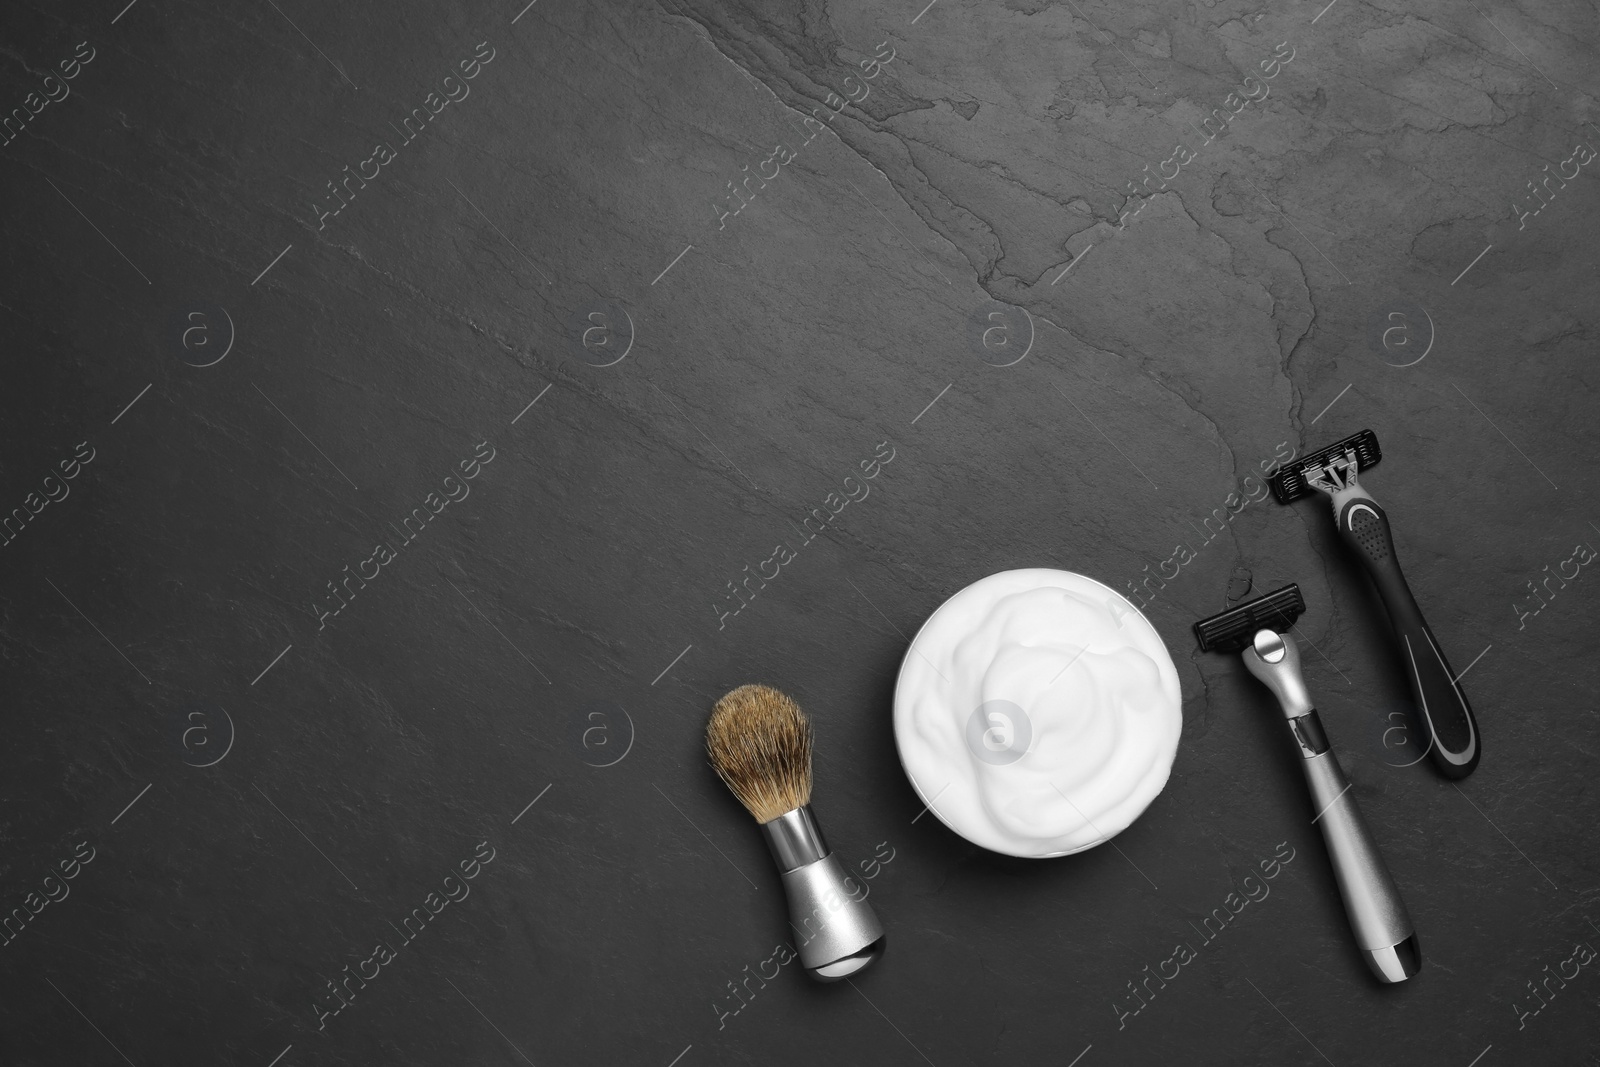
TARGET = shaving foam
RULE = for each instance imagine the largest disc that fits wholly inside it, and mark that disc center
(1037, 713)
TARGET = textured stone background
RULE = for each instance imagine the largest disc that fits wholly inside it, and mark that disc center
(565, 214)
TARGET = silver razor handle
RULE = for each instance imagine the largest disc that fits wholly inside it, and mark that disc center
(1372, 903)
(837, 931)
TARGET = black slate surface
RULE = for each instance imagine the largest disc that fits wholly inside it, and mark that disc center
(541, 281)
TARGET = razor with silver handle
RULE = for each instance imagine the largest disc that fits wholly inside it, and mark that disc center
(1378, 917)
(1445, 716)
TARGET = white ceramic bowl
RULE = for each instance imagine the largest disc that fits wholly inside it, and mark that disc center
(1037, 713)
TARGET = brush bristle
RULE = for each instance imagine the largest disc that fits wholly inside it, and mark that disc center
(759, 742)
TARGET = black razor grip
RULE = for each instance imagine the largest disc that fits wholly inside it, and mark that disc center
(1446, 717)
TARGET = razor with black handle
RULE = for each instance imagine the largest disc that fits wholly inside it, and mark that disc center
(1258, 630)
(1445, 716)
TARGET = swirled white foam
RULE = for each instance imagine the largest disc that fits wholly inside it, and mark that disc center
(1080, 721)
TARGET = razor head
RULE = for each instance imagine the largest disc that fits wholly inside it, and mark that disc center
(1328, 469)
(1233, 630)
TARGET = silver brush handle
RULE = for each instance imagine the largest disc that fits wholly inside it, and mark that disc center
(1377, 915)
(837, 931)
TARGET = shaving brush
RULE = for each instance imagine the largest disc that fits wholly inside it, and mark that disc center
(759, 742)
